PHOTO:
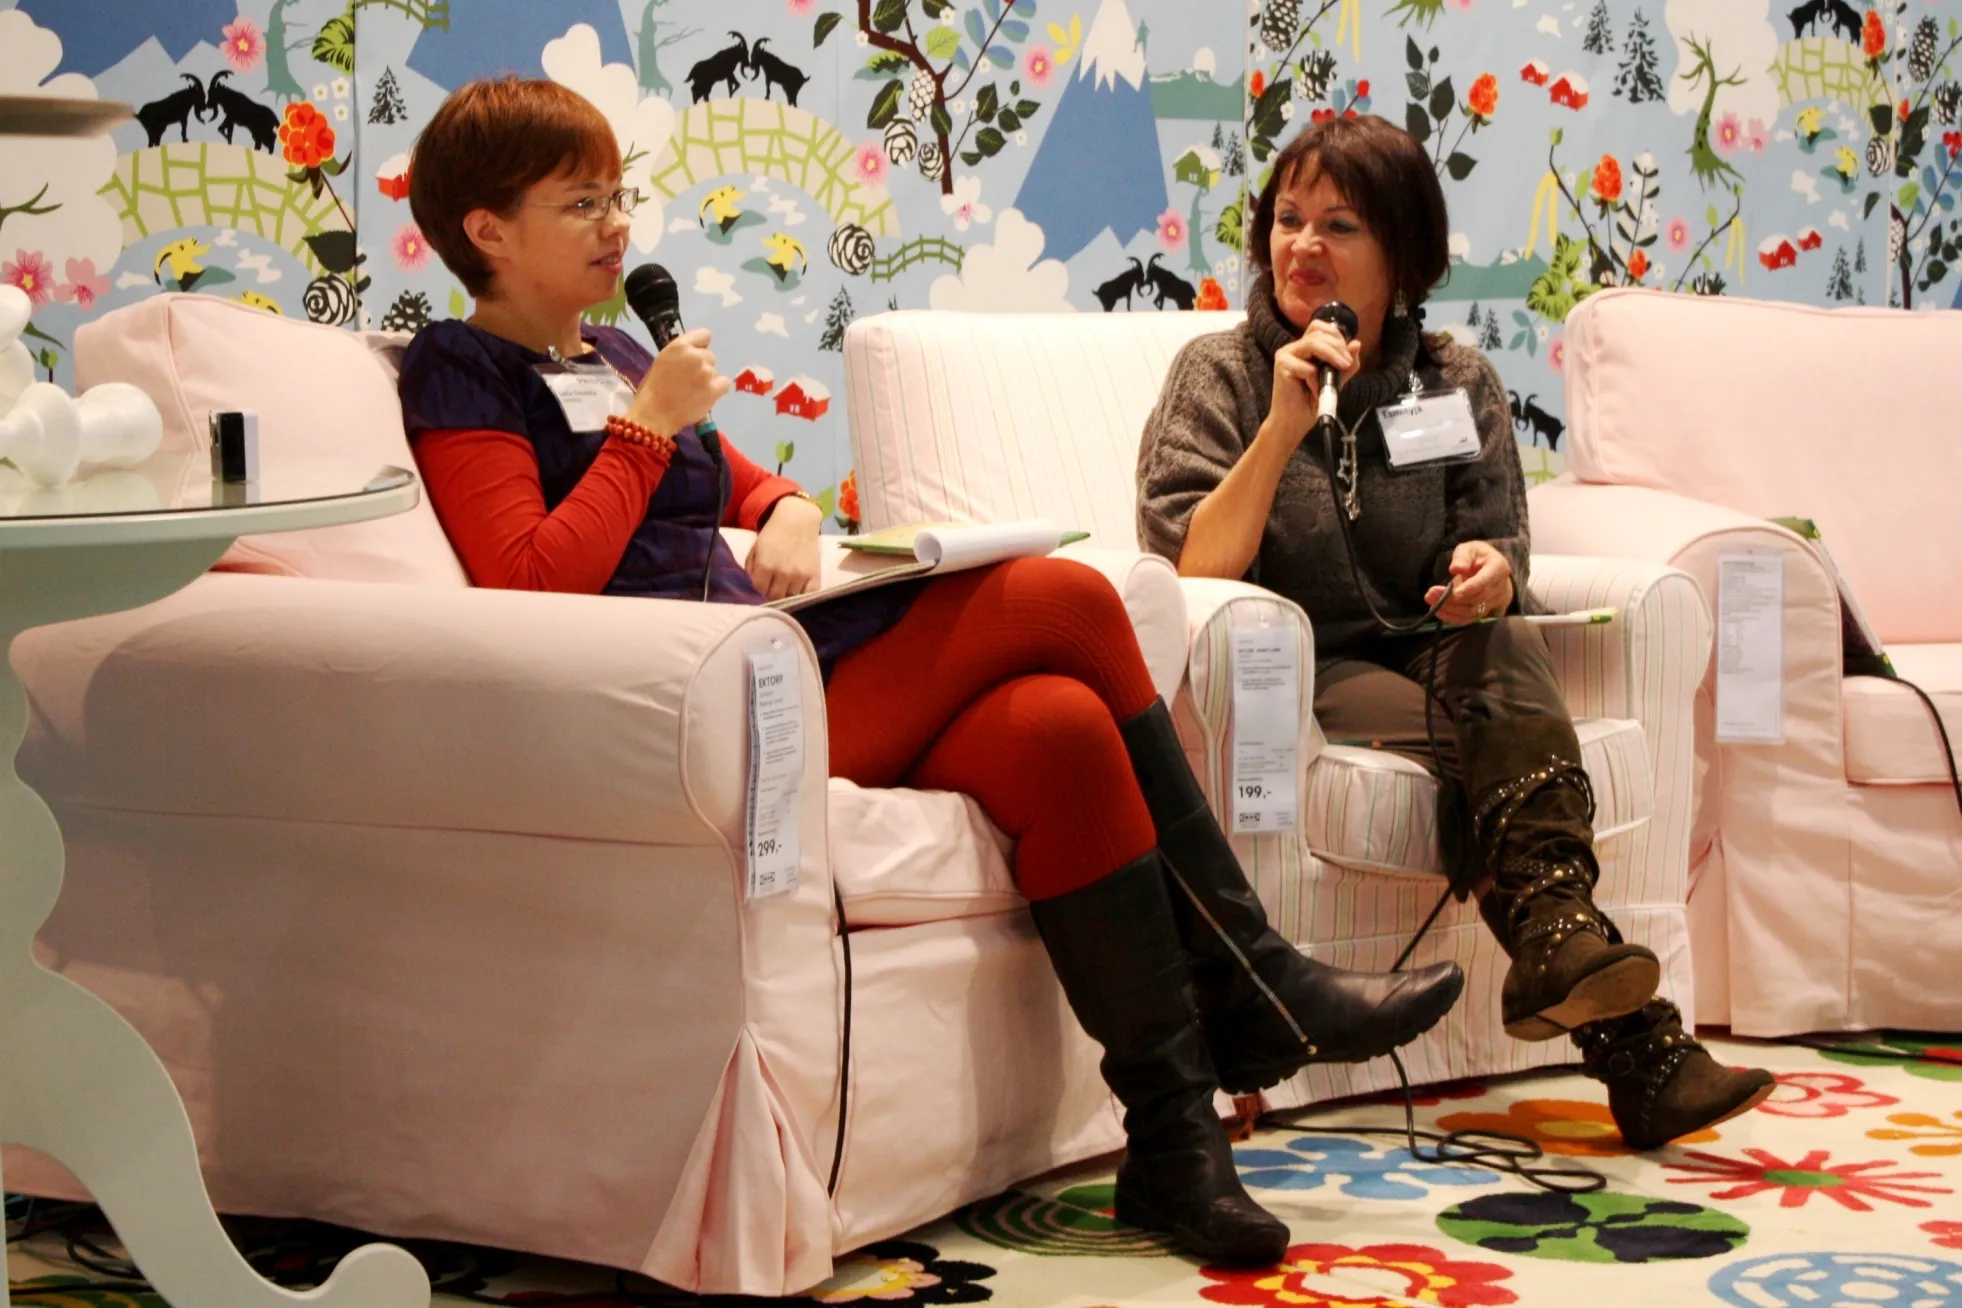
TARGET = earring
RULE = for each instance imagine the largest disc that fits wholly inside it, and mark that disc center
(1401, 307)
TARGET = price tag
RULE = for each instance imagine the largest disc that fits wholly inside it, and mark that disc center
(1422, 429)
(1751, 647)
(1266, 729)
(776, 763)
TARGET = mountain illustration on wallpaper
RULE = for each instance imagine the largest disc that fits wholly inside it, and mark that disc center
(488, 36)
(1503, 280)
(1190, 93)
(1098, 164)
(100, 34)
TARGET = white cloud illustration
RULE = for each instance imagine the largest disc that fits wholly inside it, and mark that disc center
(1009, 276)
(785, 207)
(772, 324)
(78, 223)
(1806, 185)
(1742, 44)
(1549, 24)
(713, 281)
(642, 126)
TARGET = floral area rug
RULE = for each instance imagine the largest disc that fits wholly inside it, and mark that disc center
(1843, 1190)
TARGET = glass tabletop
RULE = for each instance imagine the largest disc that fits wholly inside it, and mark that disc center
(182, 483)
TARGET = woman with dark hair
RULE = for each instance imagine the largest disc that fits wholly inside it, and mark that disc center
(561, 456)
(1230, 485)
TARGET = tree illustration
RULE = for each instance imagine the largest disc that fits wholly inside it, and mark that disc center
(1703, 158)
(1637, 80)
(835, 322)
(279, 74)
(944, 61)
(387, 107)
(1840, 284)
(1233, 159)
(1472, 320)
(649, 46)
(1490, 338)
(1600, 37)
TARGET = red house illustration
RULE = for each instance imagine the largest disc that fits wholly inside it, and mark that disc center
(392, 178)
(1777, 251)
(1569, 89)
(804, 397)
(1534, 72)
(755, 380)
(1809, 239)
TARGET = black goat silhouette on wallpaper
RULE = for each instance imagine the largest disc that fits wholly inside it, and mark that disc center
(240, 110)
(1527, 415)
(775, 71)
(174, 110)
(722, 66)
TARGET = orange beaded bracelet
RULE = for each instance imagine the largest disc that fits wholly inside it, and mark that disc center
(627, 429)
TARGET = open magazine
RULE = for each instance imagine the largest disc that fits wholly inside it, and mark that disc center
(932, 547)
(1860, 647)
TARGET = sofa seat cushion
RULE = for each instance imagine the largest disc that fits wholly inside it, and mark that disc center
(1890, 737)
(1377, 812)
(903, 857)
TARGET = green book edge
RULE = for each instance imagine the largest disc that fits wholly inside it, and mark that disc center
(904, 548)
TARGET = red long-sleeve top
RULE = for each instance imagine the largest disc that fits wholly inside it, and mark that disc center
(485, 488)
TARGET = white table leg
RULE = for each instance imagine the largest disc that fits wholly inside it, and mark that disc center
(76, 1081)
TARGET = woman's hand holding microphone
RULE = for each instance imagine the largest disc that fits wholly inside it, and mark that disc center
(680, 387)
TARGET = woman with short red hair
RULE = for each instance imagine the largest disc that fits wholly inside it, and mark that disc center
(1020, 685)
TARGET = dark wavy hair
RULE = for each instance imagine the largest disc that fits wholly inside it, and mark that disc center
(1380, 170)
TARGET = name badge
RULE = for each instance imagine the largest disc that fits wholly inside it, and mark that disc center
(587, 394)
(1437, 428)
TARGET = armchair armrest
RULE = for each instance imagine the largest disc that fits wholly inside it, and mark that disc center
(1215, 608)
(576, 716)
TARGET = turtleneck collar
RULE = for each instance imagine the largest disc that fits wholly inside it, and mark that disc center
(1370, 390)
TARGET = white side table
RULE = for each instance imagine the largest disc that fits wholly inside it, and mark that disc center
(76, 1081)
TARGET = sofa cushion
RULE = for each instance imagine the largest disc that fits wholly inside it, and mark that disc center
(1711, 397)
(902, 857)
(319, 393)
(1377, 812)
(1890, 736)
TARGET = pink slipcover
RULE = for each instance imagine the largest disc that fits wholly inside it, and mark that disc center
(1890, 736)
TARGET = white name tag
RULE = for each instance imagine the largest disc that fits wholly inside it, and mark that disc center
(776, 763)
(1266, 729)
(1751, 647)
(1429, 429)
(589, 395)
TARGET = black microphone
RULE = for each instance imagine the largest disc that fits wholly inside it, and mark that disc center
(1344, 319)
(656, 301)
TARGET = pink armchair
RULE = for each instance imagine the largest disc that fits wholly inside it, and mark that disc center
(1828, 867)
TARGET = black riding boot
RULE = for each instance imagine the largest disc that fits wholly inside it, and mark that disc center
(1117, 953)
(1268, 1011)
(1532, 815)
(1662, 1084)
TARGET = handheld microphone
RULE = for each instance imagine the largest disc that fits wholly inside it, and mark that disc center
(656, 301)
(1344, 319)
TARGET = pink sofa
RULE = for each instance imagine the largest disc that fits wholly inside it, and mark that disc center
(431, 898)
(1828, 890)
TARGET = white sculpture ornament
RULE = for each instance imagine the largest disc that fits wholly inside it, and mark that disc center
(46, 433)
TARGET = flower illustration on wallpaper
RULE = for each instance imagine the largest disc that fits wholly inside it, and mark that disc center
(1821, 1094)
(904, 1271)
(1728, 134)
(1040, 65)
(1679, 234)
(84, 286)
(1851, 1185)
(1873, 36)
(244, 45)
(1844, 169)
(32, 272)
(1211, 294)
(1171, 230)
(800, 8)
(964, 205)
(1944, 1139)
(1573, 1127)
(1556, 354)
(1338, 1276)
(1366, 1171)
(1483, 101)
(1810, 127)
(410, 248)
(869, 163)
(1607, 182)
(1946, 1234)
(306, 138)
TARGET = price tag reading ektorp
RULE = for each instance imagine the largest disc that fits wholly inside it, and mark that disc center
(1266, 729)
(776, 762)
(1429, 429)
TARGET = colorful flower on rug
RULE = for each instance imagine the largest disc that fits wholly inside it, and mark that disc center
(1826, 1280)
(1946, 1234)
(1559, 1126)
(53, 1291)
(1429, 1096)
(1850, 1185)
(1821, 1094)
(1367, 1171)
(1945, 1137)
(1079, 1222)
(1374, 1276)
(904, 1271)
(1922, 1058)
(1593, 1228)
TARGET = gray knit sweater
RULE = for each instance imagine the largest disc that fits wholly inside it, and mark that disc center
(1215, 397)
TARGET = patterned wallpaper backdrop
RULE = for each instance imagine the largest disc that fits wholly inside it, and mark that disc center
(812, 160)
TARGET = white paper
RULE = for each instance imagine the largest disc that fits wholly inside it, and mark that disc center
(1429, 428)
(1266, 729)
(589, 396)
(1751, 647)
(776, 762)
(950, 549)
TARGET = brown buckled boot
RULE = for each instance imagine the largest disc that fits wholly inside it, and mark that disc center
(1533, 811)
(1662, 1084)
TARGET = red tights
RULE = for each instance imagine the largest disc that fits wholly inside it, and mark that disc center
(1007, 684)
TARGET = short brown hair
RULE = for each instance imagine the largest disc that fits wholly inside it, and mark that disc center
(1381, 170)
(488, 144)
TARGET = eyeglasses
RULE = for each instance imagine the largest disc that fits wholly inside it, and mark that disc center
(595, 208)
